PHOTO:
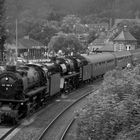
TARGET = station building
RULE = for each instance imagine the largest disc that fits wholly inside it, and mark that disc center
(27, 48)
(125, 41)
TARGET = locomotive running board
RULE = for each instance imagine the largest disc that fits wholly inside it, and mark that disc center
(17, 101)
(73, 74)
(31, 93)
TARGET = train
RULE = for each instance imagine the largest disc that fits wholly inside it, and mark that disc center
(26, 87)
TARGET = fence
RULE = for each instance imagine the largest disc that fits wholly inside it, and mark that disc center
(2, 63)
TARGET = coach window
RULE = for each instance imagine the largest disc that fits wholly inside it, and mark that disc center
(109, 61)
(96, 64)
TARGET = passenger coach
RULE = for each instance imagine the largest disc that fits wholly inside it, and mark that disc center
(100, 63)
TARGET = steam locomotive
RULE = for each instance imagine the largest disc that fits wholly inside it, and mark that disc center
(26, 87)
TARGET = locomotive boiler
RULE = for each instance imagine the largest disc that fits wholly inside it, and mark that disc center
(19, 88)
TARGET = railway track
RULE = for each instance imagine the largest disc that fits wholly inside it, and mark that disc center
(6, 131)
(60, 123)
(34, 127)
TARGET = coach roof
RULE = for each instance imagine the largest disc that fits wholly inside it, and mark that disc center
(100, 57)
(122, 54)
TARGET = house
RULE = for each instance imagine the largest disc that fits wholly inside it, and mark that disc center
(99, 26)
(124, 41)
(136, 20)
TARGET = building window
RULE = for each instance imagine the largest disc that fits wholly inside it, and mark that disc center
(128, 47)
(121, 46)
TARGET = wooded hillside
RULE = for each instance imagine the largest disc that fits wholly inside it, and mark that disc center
(101, 8)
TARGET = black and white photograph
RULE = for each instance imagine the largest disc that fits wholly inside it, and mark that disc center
(69, 69)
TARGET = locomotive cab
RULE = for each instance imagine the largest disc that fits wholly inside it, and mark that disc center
(69, 73)
(53, 73)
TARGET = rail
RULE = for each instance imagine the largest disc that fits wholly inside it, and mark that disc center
(67, 129)
(60, 114)
(8, 132)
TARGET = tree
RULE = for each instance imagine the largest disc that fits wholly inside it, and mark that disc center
(43, 33)
(135, 30)
(66, 42)
(27, 13)
(69, 22)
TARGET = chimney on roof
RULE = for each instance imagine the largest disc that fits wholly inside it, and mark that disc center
(26, 37)
(125, 28)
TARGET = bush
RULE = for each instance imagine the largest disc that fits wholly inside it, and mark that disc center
(114, 109)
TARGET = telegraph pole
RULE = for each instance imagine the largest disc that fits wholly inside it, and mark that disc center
(2, 41)
(2, 29)
(16, 38)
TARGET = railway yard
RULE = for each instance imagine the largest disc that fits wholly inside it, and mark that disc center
(55, 121)
(70, 70)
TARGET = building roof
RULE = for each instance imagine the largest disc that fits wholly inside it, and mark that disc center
(117, 21)
(26, 43)
(107, 47)
(100, 40)
(125, 36)
(30, 43)
(98, 57)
